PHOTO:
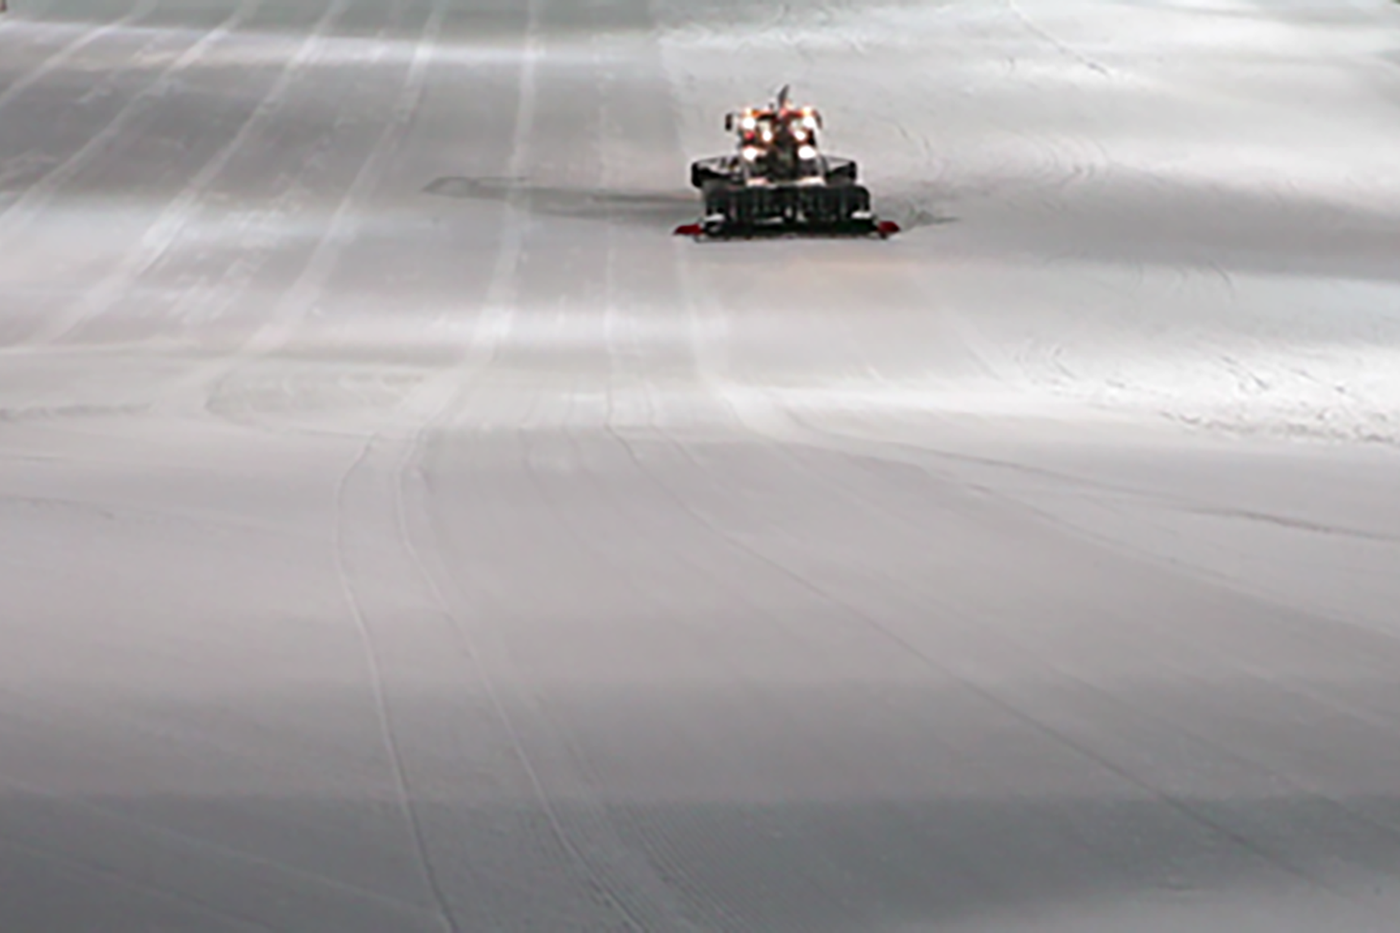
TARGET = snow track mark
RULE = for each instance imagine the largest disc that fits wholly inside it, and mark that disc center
(170, 224)
(140, 11)
(38, 197)
(300, 299)
(307, 287)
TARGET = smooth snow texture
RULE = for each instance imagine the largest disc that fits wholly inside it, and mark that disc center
(400, 531)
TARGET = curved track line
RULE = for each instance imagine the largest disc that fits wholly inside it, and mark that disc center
(313, 279)
(704, 360)
(1110, 700)
(492, 328)
(1081, 682)
(492, 324)
(660, 873)
(439, 396)
(384, 717)
(798, 431)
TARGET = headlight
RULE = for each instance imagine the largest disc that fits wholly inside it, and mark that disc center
(807, 152)
(799, 134)
(748, 122)
(750, 153)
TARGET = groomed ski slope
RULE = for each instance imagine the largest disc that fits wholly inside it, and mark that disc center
(400, 531)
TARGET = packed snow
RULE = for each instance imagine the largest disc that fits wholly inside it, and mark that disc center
(401, 530)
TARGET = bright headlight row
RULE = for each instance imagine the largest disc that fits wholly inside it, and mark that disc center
(805, 153)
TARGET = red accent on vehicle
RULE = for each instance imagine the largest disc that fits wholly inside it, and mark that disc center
(689, 230)
(887, 228)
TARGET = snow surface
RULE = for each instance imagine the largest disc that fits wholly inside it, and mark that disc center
(400, 531)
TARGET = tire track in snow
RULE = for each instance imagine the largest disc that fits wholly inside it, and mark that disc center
(1036, 722)
(1241, 837)
(1218, 749)
(661, 843)
(138, 12)
(439, 399)
(971, 874)
(1104, 698)
(256, 238)
(707, 324)
(658, 874)
(301, 297)
(630, 888)
(38, 197)
(171, 222)
(733, 907)
(1033, 27)
(623, 340)
(631, 885)
(784, 429)
(920, 456)
(626, 886)
(304, 291)
(441, 396)
(89, 868)
(230, 857)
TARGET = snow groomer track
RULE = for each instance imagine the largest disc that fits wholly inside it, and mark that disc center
(401, 531)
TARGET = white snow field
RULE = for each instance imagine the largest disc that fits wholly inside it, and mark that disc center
(402, 532)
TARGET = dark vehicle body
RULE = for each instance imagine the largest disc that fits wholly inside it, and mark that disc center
(779, 182)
